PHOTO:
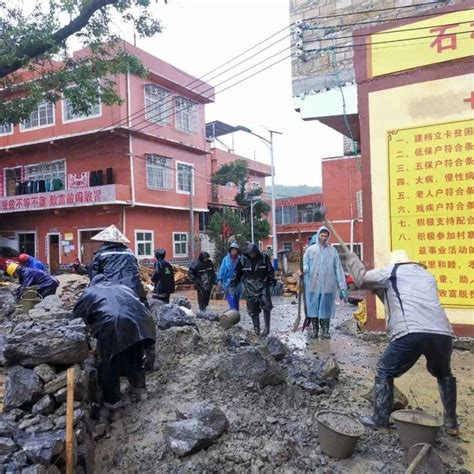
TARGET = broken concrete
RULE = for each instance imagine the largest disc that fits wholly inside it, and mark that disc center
(22, 387)
(276, 348)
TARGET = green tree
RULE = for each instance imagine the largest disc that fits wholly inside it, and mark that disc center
(36, 64)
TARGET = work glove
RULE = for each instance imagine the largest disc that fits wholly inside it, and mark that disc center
(343, 295)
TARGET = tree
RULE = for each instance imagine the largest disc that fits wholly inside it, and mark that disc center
(36, 65)
(238, 227)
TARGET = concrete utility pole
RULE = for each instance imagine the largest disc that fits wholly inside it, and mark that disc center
(191, 212)
(274, 232)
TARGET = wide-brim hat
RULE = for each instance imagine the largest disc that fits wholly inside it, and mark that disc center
(111, 234)
(400, 256)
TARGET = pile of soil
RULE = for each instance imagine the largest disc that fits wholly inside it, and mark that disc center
(341, 423)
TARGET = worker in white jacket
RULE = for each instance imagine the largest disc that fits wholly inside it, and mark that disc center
(416, 324)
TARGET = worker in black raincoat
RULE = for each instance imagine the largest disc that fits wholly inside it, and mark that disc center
(254, 269)
(203, 275)
(163, 277)
(117, 262)
(124, 329)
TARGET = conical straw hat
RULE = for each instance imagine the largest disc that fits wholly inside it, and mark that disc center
(111, 234)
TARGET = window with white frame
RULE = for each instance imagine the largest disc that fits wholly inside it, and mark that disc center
(180, 244)
(184, 177)
(48, 172)
(158, 172)
(69, 115)
(41, 117)
(6, 129)
(144, 243)
(255, 185)
(288, 246)
(186, 115)
(360, 208)
(157, 105)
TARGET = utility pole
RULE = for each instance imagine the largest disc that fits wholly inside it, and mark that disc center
(191, 212)
(274, 233)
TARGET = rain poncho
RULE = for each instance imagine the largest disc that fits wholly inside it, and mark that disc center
(203, 275)
(117, 318)
(225, 275)
(324, 277)
(34, 263)
(45, 283)
(117, 262)
(163, 277)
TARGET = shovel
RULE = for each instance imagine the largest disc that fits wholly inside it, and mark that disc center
(424, 459)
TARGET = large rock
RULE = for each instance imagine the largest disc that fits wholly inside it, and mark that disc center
(171, 315)
(45, 315)
(400, 401)
(208, 315)
(276, 348)
(51, 342)
(7, 428)
(45, 372)
(41, 448)
(7, 302)
(22, 387)
(198, 426)
(249, 365)
(7, 446)
(44, 406)
(49, 303)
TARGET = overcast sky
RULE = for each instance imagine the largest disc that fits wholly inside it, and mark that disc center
(199, 35)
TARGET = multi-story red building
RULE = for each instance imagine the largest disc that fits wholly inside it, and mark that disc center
(141, 166)
(342, 196)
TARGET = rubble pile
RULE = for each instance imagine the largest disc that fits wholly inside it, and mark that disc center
(290, 285)
(181, 277)
(38, 349)
(70, 288)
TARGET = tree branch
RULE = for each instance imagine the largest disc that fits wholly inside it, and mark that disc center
(37, 48)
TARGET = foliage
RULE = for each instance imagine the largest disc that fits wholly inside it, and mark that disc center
(35, 62)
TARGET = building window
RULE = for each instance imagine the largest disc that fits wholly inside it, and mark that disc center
(41, 117)
(144, 243)
(157, 105)
(184, 178)
(360, 208)
(180, 244)
(288, 247)
(255, 185)
(45, 177)
(158, 172)
(186, 115)
(70, 116)
(6, 129)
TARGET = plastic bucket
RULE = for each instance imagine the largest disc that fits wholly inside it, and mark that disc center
(415, 427)
(29, 299)
(229, 318)
(338, 433)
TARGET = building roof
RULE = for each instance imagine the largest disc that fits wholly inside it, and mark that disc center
(305, 199)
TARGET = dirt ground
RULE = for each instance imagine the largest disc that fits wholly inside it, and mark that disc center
(274, 429)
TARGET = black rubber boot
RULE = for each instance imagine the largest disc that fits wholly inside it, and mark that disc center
(448, 393)
(315, 325)
(325, 327)
(383, 404)
(266, 318)
(256, 323)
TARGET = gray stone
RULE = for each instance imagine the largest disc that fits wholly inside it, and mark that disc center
(36, 469)
(7, 446)
(40, 448)
(60, 381)
(400, 401)
(13, 415)
(171, 315)
(43, 426)
(208, 315)
(50, 302)
(199, 425)
(22, 387)
(3, 340)
(330, 369)
(311, 387)
(182, 301)
(276, 348)
(45, 315)
(44, 406)
(30, 421)
(7, 302)
(249, 365)
(7, 428)
(17, 461)
(49, 342)
(45, 372)
(99, 431)
(61, 395)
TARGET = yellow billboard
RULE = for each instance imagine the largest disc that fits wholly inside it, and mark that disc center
(431, 179)
(435, 40)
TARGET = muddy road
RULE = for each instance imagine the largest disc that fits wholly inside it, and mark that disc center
(273, 429)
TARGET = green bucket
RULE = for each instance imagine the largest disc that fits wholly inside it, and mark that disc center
(29, 299)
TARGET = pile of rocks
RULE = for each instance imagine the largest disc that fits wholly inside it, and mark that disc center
(38, 350)
(71, 287)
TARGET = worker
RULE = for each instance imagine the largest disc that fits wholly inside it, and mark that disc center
(28, 261)
(227, 272)
(43, 283)
(116, 261)
(416, 324)
(255, 270)
(124, 329)
(163, 277)
(324, 279)
(203, 276)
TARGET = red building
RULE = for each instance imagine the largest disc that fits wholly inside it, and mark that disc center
(140, 165)
(342, 195)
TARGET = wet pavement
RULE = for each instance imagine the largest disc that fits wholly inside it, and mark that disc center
(357, 359)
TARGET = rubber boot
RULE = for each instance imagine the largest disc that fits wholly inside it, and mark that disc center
(256, 323)
(383, 404)
(325, 327)
(448, 393)
(315, 325)
(266, 318)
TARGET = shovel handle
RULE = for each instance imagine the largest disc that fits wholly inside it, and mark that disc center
(329, 225)
(418, 458)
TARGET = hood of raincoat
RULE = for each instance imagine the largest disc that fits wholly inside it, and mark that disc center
(203, 256)
(160, 253)
(116, 317)
(252, 248)
(321, 229)
(234, 245)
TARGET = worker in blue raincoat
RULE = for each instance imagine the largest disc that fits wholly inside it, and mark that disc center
(28, 261)
(324, 279)
(44, 283)
(226, 273)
